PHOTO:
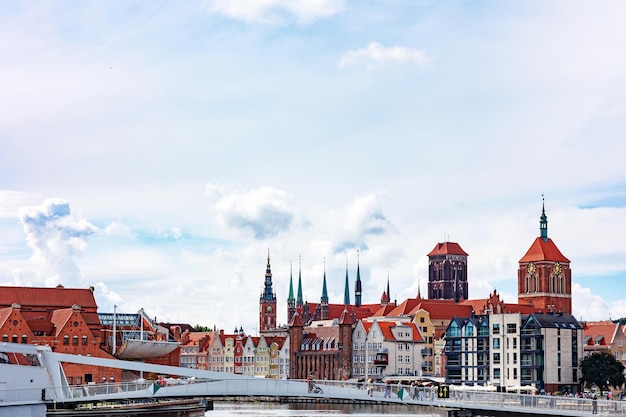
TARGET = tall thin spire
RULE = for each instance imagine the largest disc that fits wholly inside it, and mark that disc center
(357, 285)
(299, 300)
(324, 290)
(291, 299)
(346, 293)
(543, 221)
(388, 291)
(268, 292)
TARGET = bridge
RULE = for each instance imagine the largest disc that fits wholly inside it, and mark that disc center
(33, 381)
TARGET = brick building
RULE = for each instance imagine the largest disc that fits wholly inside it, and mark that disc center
(65, 319)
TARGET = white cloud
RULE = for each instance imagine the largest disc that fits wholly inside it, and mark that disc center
(587, 306)
(362, 220)
(55, 238)
(276, 11)
(376, 56)
(265, 212)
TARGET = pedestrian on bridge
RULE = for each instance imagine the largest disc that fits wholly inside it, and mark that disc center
(594, 405)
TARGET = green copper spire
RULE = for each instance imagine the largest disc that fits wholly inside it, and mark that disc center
(357, 285)
(291, 299)
(346, 293)
(543, 221)
(299, 300)
(324, 290)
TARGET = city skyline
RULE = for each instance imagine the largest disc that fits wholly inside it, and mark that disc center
(157, 152)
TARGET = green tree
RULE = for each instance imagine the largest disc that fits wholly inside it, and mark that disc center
(602, 370)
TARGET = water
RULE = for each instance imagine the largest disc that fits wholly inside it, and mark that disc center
(262, 409)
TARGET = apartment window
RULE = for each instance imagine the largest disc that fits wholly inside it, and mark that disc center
(515, 343)
(496, 358)
(496, 343)
(400, 346)
(5, 337)
(496, 329)
(24, 339)
(514, 358)
(14, 338)
(422, 320)
(511, 328)
(84, 340)
(514, 373)
(620, 343)
(75, 340)
(496, 373)
(400, 357)
(66, 340)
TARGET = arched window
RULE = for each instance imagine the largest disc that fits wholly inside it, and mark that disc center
(5, 337)
(66, 340)
(75, 340)
(24, 339)
(84, 340)
(14, 338)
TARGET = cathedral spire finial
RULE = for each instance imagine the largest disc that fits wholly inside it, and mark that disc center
(291, 299)
(543, 221)
(324, 289)
(346, 293)
(299, 300)
(357, 284)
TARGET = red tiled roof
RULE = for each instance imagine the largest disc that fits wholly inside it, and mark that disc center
(437, 309)
(50, 298)
(599, 330)
(447, 248)
(60, 318)
(4, 315)
(335, 310)
(541, 250)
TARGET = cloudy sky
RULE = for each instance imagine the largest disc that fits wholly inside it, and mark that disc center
(157, 150)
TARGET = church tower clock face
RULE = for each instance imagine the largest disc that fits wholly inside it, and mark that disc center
(557, 269)
(531, 268)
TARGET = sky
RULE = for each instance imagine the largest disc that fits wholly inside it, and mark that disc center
(158, 150)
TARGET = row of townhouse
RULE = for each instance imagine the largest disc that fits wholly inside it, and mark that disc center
(512, 350)
(264, 356)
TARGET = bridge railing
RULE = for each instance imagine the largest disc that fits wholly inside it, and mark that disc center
(340, 389)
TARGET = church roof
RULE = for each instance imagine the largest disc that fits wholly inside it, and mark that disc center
(447, 248)
(542, 250)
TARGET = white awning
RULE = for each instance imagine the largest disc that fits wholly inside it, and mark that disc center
(145, 349)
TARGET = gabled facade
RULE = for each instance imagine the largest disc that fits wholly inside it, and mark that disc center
(66, 319)
(283, 359)
(382, 348)
(194, 349)
(322, 350)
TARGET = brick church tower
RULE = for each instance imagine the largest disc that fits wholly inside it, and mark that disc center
(544, 278)
(447, 272)
(267, 303)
